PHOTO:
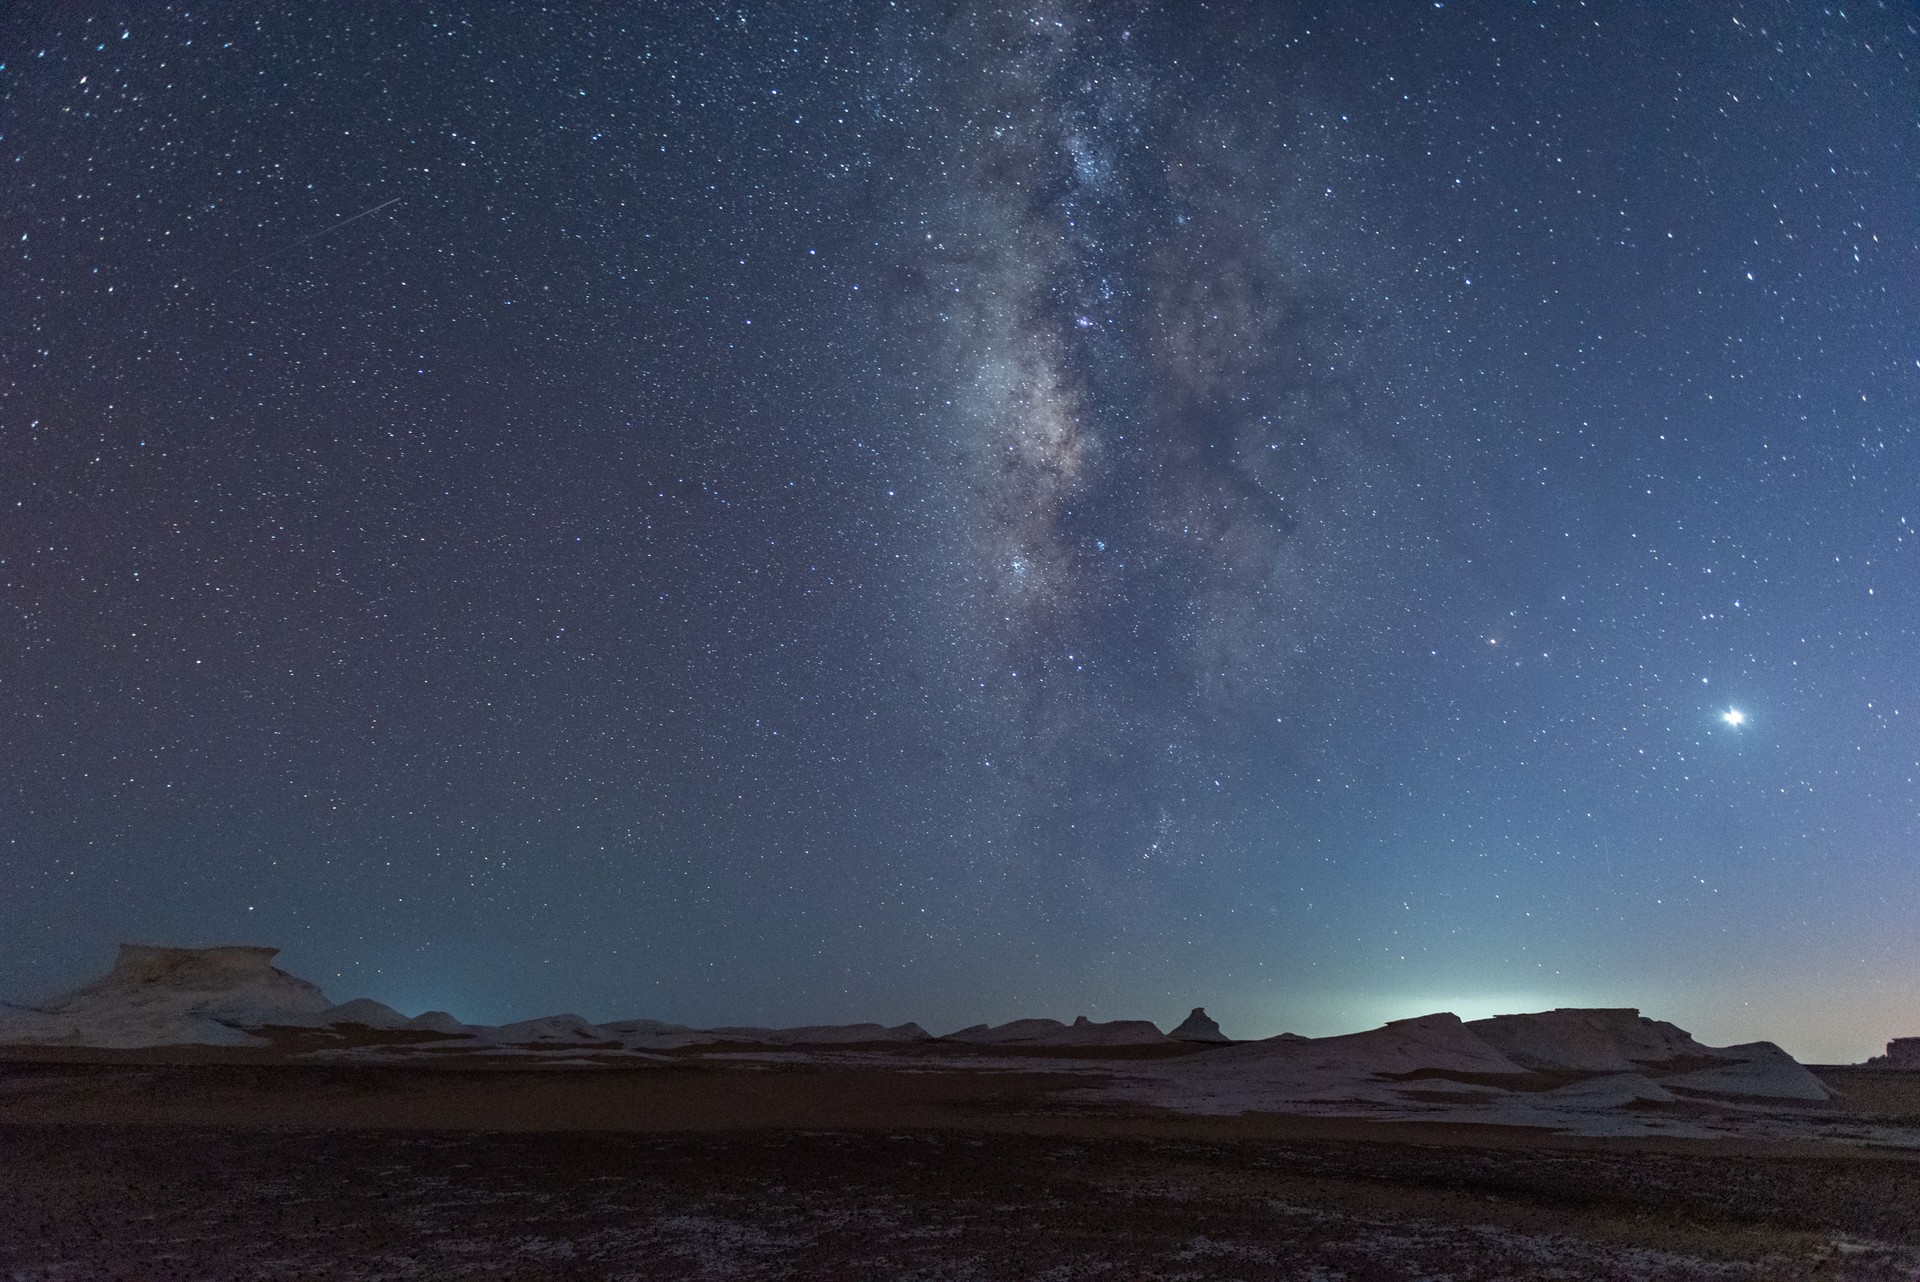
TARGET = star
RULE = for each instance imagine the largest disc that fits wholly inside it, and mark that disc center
(1180, 470)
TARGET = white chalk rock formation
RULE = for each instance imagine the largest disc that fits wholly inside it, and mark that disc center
(1608, 1090)
(29, 1025)
(171, 997)
(548, 1030)
(1428, 1043)
(654, 1035)
(1902, 1052)
(1287, 1072)
(1431, 1043)
(1600, 1040)
(363, 1011)
(366, 1012)
(1622, 1040)
(1756, 1068)
(1198, 1027)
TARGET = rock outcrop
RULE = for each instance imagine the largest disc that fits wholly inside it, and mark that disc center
(1529, 1069)
(171, 997)
(1112, 1032)
(1755, 1068)
(362, 1011)
(1197, 1027)
(1902, 1052)
(1593, 1040)
(1051, 1032)
(1591, 1072)
(1622, 1040)
(436, 1021)
(548, 1030)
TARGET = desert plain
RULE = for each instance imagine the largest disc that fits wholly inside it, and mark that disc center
(201, 1114)
(199, 1164)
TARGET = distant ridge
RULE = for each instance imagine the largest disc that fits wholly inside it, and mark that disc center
(1523, 1069)
(1051, 1032)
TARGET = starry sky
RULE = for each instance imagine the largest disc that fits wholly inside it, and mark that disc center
(805, 512)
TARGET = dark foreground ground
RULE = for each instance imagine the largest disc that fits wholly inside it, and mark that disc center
(119, 1172)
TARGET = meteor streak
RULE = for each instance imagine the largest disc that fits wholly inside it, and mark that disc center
(312, 236)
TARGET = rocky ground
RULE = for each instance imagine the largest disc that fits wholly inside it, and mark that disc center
(118, 1172)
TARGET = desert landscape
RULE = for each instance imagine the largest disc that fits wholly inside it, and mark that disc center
(938, 641)
(199, 1113)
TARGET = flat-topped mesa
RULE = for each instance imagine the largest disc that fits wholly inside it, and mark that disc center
(221, 966)
(1198, 1027)
(172, 996)
(1113, 1032)
(1589, 1039)
(1051, 1032)
(240, 979)
(1622, 1040)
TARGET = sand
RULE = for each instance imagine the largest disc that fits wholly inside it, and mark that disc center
(704, 1170)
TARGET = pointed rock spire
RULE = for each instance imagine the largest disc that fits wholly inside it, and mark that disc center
(1198, 1028)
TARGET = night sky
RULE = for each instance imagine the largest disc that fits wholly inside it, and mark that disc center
(787, 513)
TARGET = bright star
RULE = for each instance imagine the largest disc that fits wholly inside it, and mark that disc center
(1733, 716)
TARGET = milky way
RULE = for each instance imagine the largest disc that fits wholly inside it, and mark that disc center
(1176, 494)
